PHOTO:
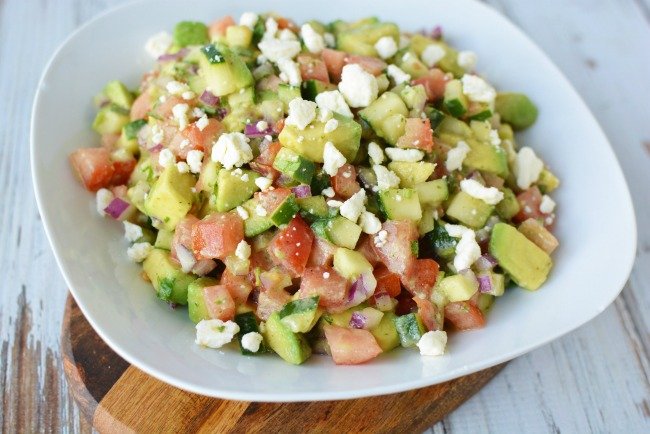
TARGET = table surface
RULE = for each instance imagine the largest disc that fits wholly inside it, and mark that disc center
(595, 379)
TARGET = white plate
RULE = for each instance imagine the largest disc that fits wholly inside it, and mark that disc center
(596, 224)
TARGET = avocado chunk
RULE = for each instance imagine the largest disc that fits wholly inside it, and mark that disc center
(118, 94)
(223, 70)
(432, 193)
(170, 282)
(110, 120)
(300, 315)
(235, 187)
(292, 347)
(164, 239)
(516, 109)
(527, 264)
(350, 263)
(190, 33)
(458, 287)
(485, 157)
(385, 332)
(170, 198)
(196, 306)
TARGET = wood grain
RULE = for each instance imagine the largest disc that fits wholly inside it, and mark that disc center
(595, 379)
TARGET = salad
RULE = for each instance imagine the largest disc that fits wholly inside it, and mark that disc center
(343, 188)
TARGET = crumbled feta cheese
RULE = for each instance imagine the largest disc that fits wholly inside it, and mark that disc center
(328, 192)
(467, 249)
(261, 126)
(381, 238)
(432, 54)
(180, 114)
(433, 343)
(182, 167)
(248, 19)
(312, 39)
(527, 167)
(289, 71)
(369, 223)
(166, 158)
(358, 87)
(386, 47)
(202, 123)
(477, 89)
(547, 205)
(132, 232)
(456, 156)
(138, 252)
(407, 155)
(242, 213)
(385, 178)
(158, 44)
(333, 101)
(287, 35)
(333, 160)
(214, 333)
(376, 153)
(157, 134)
(188, 95)
(301, 113)
(271, 28)
(495, 140)
(103, 197)
(263, 183)
(467, 60)
(330, 126)
(232, 150)
(251, 341)
(176, 87)
(260, 211)
(334, 203)
(329, 39)
(354, 206)
(404, 41)
(243, 250)
(326, 275)
(276, 49)
(195, 160)
(489, 195)
(397, 74)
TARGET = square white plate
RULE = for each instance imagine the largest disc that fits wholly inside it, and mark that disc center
(592, 264)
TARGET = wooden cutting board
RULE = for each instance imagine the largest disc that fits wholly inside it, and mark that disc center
(117, 397)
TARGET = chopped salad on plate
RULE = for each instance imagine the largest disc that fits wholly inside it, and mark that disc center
(340, 188)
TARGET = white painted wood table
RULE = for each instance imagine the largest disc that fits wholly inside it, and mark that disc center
(596, 379)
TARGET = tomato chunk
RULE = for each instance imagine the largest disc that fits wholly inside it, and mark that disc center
(238, 286)
(345, 182)
(272, 296)
(141, 106)
(164, 109)
(529, 201)
(366, 247)
(219, 302)
(322, 253)
(291, 246)
(183, 235)
(371, 65)
(326, 283)
(431, 316)
(351, 346)
(217, 235)
(263, 164)
(434, 84)
(93, 166)
(122, 171)
(418, 134)
(396, 252)
(464, 315)
(387, 282)
(197, 139)
(420, 277)
(218, 28)
(334, 62)
(312, 68)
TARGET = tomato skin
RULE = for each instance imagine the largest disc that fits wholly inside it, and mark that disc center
(183, 234)
(239, 287)
(270, 200)
(332, 290)
(418, 134)
(434, 84)
(263, 164)
(431, 316)
(529, 201)
(164, 109)
(198, 140)
(217, 235)
(371, 65)
(420, 277)
(291, 246)
(334, 62)
(322, 253)
(219, 303)
(345, 182)
(396, 252)
(351, 346)
(218, 27)
(122, 171)
(387, 282)
(464, 315)
(93, 166)
(366, 247)
(312, 68)
(272, 296)
(141, 106)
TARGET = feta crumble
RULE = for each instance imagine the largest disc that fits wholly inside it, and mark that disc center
(251, 341)
(376, 153)
(527, 167)
(334, 203)
(333, 160)
(358, 87)
(386, 47)
(456, 156)
(261, 126)
(467, 60)
(103, 198)
(260, 211)
(489, 195)
(289, 71)
(132, 232)
(467, 249)
(243, 250)
(195, 160)
(312, 39)
(477, 89)
(166, 158)
(397, 74)
(354, 206)
(547, 205)
(495, 140)
(385, 178)
(157, 134)
(330, 126)
(406, 155)
(176, 87)
(180, 114)
(432, 54)
(202, 123)
(158, 44)
(329, 39)
(232, 150)
(276, 49)
(333, 101)
(214, 333)
(182, 167)
(242, 213)
(263, 183)
(301, 113)
(248, 19)
(433, 343)
(369, 223)
(328, 192)
(381, 238)
(138, 252)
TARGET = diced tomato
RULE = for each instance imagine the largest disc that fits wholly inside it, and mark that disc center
(285, 23)
(326, 283)
(312, 68)
(396, 252)
(351, 346)
(272, 296)
(108, 140)
(322, 253)
(203, 267)
(464, 315)
(270, 82)
(529, 201)
(431, 316)
(417, 134)
(141, 106)
(93, 166)
(434, 83)
(120, 191)
(219, 302)
(238, 286)
(218, 28)
(263, 164)
(183, 234)
(420, 277)
(371, 65)
(122, 171)
(345, 182)
(261, 259)
(334, 61)
(217, 235)
(200, 140)
(164, 109)
(270, 200)
(366, 247)
(387, 282)
(291, 246)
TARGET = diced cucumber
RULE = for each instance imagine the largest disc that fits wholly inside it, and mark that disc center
(293, 164)
(468, 210)
(239, 36)
(444, 245)
(170, 198)
(458, 287)
(292, 347)
(432, 193)
(385, 332)
(287, 93)
(118, 94)
(509, 205)
(411, 173)
(166, 277)
(313, 207)
(343, 232)
(455, 127)
(386, 116)
(455, 100)
(248, 324)
(196, 305)
(412, 65)
(224, 71)
(209, 175)
(435, 117)
(255, 224)
(311, 88)
(164, 239)
(401, 204)
(300, 315)
(233, 188)
(110, 120)
(241, 100)
(409, 329)
(285, 211)
(415, 97)
(350, 263)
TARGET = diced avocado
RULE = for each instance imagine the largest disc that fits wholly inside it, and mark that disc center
(110, 120)
(313, 207)
(415, 97)
(239, 36)
(128, 139)
(248, 324)
(310, 142)
(468, 210)
(190, 33)
(411, 173)
(196, 84)
(341, 319)
(300, 315)
(527, 264)
(164, 239)
(285, 211)
(386, 116)
(224, 71)
(235, 188)
(166, 277)
(362, 39)
(350, 263)
(455, 127)
(385, 332)
(255, 224)
(118, 94)
(547, 181)
(311, 88)
(516, 109)
(293, 164)
(449, 63)
(455, 100)
(509, 205)
(486, 157)
(273, 110)
(401, 204)
(432, 193)
(243, 99)
(292, 347)
(342, 232)
(458, 287)
(196, 305)
(409, 329)
(288, 93)
(170, 198)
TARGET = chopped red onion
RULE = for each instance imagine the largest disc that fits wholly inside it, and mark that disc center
(173, 56)
(486, 262)
(358, 320)
(209, 99)
(251, 131)
(156, 148)
(436, 33)
(117, 208)
(284, 180)
(221, 113)
(186, 258)
(484, 283)
(203, 267)
(361, 289)
(301, 191)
